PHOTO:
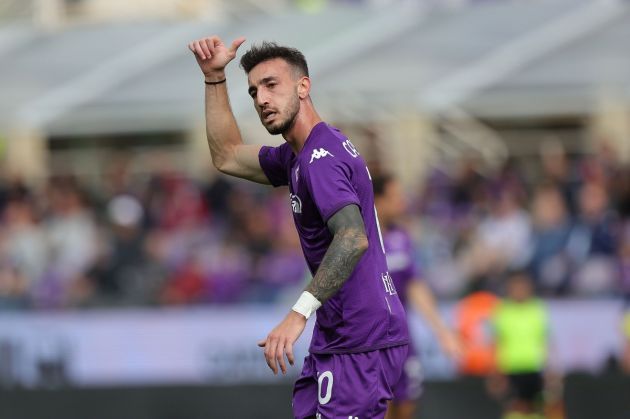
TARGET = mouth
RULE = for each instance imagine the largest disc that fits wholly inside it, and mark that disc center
(267, 116)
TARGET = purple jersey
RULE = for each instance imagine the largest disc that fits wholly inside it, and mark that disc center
(327, 175)
(400, 260)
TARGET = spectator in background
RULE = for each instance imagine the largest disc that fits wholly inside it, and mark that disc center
(13, 288)
(521, 324)
(557, 169)
(24, 242)
(621, 192)
(501, 241)
(121, 274)
(551, 227)
(468, 191)
(72, 236)
(216, 195)
(593, 242)
(20, 265)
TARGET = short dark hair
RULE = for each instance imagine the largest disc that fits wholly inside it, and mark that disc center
(270, 50)
(380, 182)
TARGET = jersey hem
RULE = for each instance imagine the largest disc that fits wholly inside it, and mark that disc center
(359, 350)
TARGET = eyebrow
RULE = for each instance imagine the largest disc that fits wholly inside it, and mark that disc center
(265, 80)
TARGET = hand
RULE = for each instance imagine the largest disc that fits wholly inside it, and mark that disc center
(451, 344)
(281, 340)
(212, 55)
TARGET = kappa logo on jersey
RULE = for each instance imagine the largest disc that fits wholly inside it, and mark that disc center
(296, 203)
(350, 148)
(388, 282)
(318, 154)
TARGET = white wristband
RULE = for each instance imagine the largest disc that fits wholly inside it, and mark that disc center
(306, 304)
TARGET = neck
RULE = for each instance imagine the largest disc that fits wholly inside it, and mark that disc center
(304, 122)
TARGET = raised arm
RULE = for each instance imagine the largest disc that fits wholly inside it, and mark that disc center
(229, 154)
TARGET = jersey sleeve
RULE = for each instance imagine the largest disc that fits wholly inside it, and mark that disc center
(275, 162)
(329, 182)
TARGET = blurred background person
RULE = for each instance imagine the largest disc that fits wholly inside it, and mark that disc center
(500, 241)
(551, 227)
(473, 314)
(593, 242)
(391, 205)
(625, 354)
(521, 328)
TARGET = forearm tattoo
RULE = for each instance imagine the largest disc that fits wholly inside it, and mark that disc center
(348, 245)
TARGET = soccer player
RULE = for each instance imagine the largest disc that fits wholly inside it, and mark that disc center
(360, 337)
(391, 206)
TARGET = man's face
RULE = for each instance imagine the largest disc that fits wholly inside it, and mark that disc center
(273, 86)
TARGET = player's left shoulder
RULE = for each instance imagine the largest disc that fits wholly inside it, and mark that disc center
(331, 144)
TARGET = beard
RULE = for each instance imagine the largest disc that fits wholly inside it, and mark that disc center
(279, 127)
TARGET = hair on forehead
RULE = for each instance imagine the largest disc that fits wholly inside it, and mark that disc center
(270, 50)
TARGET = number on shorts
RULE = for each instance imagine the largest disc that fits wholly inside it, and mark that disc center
(329, 385)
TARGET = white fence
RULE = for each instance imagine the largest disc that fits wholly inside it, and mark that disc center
(218, 345)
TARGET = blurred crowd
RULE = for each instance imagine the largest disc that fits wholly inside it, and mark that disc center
(145, 240)
(163, 238)
(565, 219)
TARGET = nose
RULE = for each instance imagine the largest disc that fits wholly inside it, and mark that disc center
(261, 98)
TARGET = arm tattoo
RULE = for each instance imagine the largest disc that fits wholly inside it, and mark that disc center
(348, 245)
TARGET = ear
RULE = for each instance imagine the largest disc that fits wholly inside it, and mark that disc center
(304, 87)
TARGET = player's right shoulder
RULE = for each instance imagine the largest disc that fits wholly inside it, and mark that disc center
(281, 152)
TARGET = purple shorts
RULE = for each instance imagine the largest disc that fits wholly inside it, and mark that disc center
(348, 385)
(409, 386)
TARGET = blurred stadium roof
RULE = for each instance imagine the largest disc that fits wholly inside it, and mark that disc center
(495, 59)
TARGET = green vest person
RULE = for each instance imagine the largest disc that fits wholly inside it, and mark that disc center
(521, 327)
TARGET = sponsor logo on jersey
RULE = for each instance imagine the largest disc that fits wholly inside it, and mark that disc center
(388, 282)
(296, 203)
(350, 148)
(318, 154)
